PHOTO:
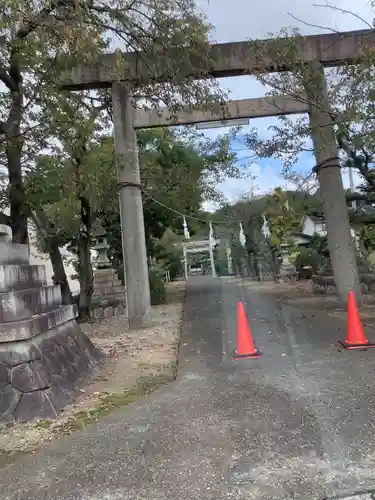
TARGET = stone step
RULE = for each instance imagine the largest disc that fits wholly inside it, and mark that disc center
(13, 253)
(111, 290)
(20, 304)
(18, 277)
(31, 327)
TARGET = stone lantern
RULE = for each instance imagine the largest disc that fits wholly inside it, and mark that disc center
(101, 246)
(108, 298)
(287, 270)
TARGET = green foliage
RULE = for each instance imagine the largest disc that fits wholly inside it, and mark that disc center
(174, 265)
(283, 209)
(167, 252)
(176, 172)
(308, 257)
(367, 235)
(352, 103)
(158, 291)
(281, 216)
(221, 262)
(319, 244)
(43, 40)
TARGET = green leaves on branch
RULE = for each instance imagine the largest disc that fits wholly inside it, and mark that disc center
(43, 39)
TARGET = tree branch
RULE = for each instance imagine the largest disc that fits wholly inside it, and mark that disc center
(344, 11)
(32, 24)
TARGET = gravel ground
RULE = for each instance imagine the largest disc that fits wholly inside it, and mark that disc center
(300, 294)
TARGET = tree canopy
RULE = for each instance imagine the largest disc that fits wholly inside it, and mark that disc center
(76, 182)
(41, 39)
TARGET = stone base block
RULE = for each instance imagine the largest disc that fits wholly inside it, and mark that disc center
(13, 253)
(105, 275)
(17, 277)
(99, 285)
(324, 284)
(327, 285)
(109, 307)
(17, 305)
(39, 376)
(108, 312)
(108, 290)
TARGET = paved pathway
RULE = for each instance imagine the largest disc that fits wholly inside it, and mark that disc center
(298, 423)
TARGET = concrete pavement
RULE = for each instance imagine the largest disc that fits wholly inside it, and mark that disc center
(298, 423)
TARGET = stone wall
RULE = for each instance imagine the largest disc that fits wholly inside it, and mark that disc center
(44, 355)
(324, 282)
(327, 285)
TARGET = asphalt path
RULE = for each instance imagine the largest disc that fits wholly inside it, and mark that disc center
(297, 423)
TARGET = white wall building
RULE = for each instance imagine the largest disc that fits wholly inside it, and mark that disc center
(313, 224)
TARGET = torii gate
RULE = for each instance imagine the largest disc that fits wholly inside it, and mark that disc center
(202, 246)
(228, 59)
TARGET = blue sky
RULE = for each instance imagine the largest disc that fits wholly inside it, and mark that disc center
(236, 20)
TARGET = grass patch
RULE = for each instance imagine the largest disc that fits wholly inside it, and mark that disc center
(110, 401)
(43, 424)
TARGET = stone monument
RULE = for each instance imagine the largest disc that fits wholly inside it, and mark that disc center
(44, 355)
(108, 297)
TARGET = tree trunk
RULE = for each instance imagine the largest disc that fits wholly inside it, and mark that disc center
(84, 261)
(17, 199)
(59, 274)
(45, 227)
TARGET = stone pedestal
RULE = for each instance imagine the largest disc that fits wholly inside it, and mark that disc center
(108, 298)
(44, 355)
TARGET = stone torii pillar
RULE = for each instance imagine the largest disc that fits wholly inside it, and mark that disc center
(131, 209)
(340, 241)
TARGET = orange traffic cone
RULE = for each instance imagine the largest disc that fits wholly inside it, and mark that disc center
(245, 344)
(355, 336)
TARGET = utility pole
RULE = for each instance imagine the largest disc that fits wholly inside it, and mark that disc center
(351, 183)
